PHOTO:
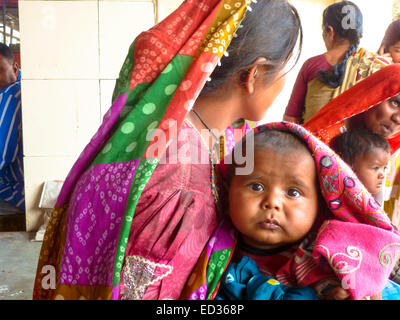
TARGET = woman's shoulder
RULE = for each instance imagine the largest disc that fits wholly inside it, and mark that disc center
(312, 65)
(319, 59)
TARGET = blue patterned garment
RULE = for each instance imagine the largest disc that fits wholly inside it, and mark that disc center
(244, 281)
(11, 156)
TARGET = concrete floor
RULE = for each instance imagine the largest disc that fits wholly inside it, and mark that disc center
(18, 261)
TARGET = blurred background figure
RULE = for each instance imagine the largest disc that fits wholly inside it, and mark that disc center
(11, 156)
(390, 46)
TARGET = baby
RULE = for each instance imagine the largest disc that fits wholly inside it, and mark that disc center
(276, 210)
(368, 154)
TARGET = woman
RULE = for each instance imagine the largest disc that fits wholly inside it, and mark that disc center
(390, 46)
(133, 215)
(374, 104)
(325, 76)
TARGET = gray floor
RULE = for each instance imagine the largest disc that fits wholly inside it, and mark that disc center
(18, 262)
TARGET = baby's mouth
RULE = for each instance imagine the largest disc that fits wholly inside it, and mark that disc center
(269, 224)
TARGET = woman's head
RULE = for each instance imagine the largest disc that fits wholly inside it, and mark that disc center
(343, 21)
(346, 19)
(391, 41)
(267, 37)
(277, 204)
(367, 153)
(383, 119)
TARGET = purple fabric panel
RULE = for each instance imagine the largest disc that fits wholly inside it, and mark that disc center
(93, 225)
(222, 238)
(115, 293)
(92, 149)
(199, 294)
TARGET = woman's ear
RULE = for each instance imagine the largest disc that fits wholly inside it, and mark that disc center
(249, 77)
(331, 34)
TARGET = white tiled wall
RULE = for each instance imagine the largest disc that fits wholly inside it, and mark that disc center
(71, 54)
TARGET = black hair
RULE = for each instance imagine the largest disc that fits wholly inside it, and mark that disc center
(6, 52)
(392, 35)
(347, 21)
(278, 140)
(271, 31)
(357, 142)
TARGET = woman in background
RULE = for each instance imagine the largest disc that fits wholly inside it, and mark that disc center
(325, 76)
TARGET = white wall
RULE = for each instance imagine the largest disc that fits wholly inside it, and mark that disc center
(71, 54)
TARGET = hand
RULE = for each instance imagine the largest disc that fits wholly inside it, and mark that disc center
(337, 293)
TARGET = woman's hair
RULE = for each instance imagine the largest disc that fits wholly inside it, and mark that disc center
(392, 35)
(357, 142)
(347, 21)
(269, 30)
(6, 52)
(264, 138)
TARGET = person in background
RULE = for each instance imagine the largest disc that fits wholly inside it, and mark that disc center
(368, 154)
(325, 76)
(11, 157)
(390, 46)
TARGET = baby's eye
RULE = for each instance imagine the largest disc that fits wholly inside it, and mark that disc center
(293, 193)
(375, 168)
(256, 187)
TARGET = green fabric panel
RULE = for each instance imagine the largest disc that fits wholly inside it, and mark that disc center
(122, 83)
(216, 266)
(131, 136)
(144, 171)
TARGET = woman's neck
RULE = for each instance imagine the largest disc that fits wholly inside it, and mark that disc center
(214, 112)
(336, 54)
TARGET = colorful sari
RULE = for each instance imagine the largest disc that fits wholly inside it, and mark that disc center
(126, 225)
(356, 241)
(330, 121)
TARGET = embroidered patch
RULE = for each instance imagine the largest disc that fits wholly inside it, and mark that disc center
(138, 274)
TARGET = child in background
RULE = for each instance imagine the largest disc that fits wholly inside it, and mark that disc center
(391, 42)
(368, 154)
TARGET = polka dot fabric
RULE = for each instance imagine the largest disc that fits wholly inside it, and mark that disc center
(94, 221)
(164, 71)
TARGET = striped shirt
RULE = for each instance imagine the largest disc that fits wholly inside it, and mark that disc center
(11, 156)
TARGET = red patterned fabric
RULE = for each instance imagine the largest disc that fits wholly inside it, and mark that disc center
(380, 86)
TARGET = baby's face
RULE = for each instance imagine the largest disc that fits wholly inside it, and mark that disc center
(370, 169)
(277, 204)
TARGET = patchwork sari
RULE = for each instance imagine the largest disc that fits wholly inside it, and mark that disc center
(126, 225)
(330, 121)
(356, 240)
